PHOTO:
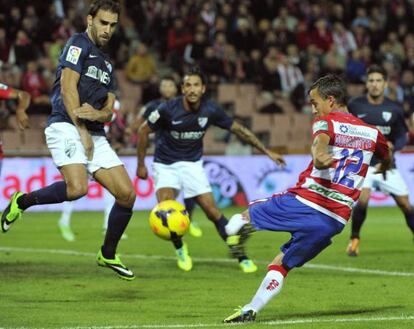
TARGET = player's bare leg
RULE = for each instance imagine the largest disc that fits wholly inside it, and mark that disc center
(74, 186)
(404, 203)
(207, 203)
(118, 183)
(358, 217)
(184, 261)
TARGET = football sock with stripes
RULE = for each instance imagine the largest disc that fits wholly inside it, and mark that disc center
(270, 287)
(118, 221)
(358, 217)
(55, 193)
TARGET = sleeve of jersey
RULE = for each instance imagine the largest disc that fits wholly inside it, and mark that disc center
(381, 149)
(322, 126)
(220, 118)
(149, 107)
(5, 91)
(157, 117)
(74, 53)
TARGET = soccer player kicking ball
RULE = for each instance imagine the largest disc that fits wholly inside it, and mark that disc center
(180, 125)
(319, 206)
(82, 101)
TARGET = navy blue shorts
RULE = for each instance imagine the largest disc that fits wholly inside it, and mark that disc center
(311, 230)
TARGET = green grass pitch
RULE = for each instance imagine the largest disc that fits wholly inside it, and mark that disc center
(46, 282)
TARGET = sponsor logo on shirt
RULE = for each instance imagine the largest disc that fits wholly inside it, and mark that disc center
(386, 130)
(330, 194)
(363, 115)
(73, 54)
(109, 66)
(98, 74)
(353, 130)
(320, 125)
(192, 135)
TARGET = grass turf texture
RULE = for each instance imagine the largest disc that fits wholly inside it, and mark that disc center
(42, 286)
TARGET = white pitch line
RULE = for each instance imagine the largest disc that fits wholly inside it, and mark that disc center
(264, 323)
(208, 260)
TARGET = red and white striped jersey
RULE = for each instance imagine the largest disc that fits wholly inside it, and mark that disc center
(352, 144)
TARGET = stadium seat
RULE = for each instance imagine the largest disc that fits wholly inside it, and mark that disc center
(11, 140)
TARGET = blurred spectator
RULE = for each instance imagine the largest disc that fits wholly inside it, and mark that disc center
(35, 84)
(4, 46)
(195, 51)
(141, 67)
(343, 39)
(24, 49)
(321, 36)
(285, 19)
(243, 38)
(253, 67)
(212, 66)
(361, 18)
(355, 67)
(178, 38)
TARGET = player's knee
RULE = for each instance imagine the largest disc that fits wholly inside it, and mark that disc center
(76, 190)
(126, 197)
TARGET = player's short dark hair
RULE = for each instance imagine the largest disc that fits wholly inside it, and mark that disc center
(331, 85)
(108, 5)
(195, 70)
(375, 68)
(169, 78)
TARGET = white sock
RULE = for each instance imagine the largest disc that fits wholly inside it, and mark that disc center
(235, 223)
(66, 213)
(271, 286)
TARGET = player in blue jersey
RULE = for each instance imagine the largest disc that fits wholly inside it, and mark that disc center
(82, 100)
(376, 109)
(180, 125)
(168, 90)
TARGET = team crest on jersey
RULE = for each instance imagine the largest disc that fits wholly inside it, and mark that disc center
(73, 54)
(70, 148)
(386, 116)
(109, 66)
(202, 121)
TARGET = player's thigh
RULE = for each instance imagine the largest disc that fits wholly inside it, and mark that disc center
(64, 144)
(194, 179)
(76, 179)
(208, 204)
(403, 202)
(166, 176)
(393, 184)
(118, 183)
(166, 193)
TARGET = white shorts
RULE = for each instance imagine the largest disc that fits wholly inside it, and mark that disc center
(185, 176)
(64, 144)
(393, 184)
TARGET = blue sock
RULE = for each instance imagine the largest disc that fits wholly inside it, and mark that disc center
(221, 227)
(55, 193)
(117, 222)
(409, 219)
(190, 205)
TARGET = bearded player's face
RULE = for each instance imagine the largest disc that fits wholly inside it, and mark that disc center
(102, 26)
(193, 88)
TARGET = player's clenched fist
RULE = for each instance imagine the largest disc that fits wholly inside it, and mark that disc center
(142, 172)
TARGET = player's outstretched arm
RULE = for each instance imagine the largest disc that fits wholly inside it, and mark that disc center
(321, 157)
(142, 145)
(383, 151)
(69, 91)
(88, 112)
(23, 102)
(246, 135)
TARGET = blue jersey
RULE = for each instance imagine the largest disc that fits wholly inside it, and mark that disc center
(180, 132)
(96, 79)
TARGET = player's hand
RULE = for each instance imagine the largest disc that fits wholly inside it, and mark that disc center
(22, 119)
(142, 172)
(86, 112)
(87, 142)
(323, 160)
(382, 167)
(276, 157)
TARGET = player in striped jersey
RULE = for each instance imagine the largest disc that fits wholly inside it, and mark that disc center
(319, 206)
(23, 102)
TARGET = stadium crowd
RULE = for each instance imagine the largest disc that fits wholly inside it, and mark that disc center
(280, 46)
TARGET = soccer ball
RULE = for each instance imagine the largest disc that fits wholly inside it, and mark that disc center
(169, 219)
